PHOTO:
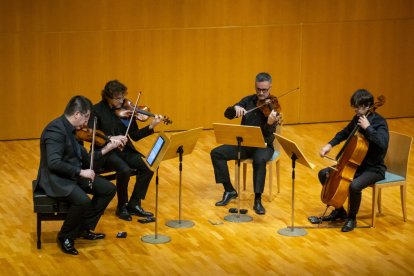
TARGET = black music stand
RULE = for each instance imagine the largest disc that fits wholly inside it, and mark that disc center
(153, 160)
(181, 143)
(249, 136)
(295, 154)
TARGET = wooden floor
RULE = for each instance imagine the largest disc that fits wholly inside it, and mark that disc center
(208, 249)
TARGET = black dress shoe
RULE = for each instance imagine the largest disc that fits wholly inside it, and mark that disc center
(122, 213)
(88, 235)
(337, 214)
(258, 207)
(138, 211)
(67, 245)
(349, 225)
(227, 196)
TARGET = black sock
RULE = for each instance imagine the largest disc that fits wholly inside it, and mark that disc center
(352, 217)
(257, 196)
(228, 187)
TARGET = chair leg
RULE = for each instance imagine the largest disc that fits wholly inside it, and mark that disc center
(379, 202)
(403, 201)
(270, 169)
(39, 232)
(244, 176)
(374, 204)
(278, 176)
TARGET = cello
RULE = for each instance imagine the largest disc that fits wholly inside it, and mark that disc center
(336, 189)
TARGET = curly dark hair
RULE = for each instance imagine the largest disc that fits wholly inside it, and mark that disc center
(112, 89)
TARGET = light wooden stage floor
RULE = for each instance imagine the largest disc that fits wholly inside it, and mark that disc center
(206, 249)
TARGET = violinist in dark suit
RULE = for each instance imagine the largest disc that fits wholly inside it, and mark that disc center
(372, 169)
(64, 174)
(224, 153)
(125, 159)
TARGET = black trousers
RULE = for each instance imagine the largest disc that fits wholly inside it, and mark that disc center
(362, 179)
(123, 162)
(224, 153)
(84, 212)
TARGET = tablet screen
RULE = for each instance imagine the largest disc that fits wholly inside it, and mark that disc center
(152, 156)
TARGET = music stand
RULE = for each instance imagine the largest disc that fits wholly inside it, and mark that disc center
(153, 160)
(295, 154)
(250, 136)
(181, 143)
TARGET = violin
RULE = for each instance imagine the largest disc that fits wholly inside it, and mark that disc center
(268, 105)
(86, 134)
(141, 113)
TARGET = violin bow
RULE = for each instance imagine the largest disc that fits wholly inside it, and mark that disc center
(133, 112)
(267, 100)
(92, 148)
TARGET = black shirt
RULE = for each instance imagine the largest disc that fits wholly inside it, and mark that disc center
(377, 136)
(257, 118)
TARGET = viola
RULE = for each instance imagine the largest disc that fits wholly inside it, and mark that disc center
(141, 112)
(336, 189)
(268, 105)
(86, 134)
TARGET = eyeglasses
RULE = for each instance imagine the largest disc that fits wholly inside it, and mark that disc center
(361, 107)
(85, 115)
(262, 90)
(119, 99)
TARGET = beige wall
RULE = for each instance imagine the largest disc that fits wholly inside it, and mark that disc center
(193, 58)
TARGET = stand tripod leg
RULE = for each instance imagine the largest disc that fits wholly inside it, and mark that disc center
(238, 217)
(180, 223)
(156, 239)
(292, 231)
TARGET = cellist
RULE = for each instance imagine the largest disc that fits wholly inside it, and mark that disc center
(374, 129)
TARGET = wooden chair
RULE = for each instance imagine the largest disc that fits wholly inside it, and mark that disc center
(396, 161)
(274, 160)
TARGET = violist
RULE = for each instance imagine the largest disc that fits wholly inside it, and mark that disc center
(224, 153)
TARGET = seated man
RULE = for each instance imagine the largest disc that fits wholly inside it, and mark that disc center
(373, 127)
(64, 174)
(224, 153)
(126, 159)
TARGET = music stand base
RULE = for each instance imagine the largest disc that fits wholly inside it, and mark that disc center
(156, 239)
(292, 232)
(180, 223)
(238, 218)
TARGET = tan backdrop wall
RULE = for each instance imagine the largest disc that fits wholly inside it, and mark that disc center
(191, 59)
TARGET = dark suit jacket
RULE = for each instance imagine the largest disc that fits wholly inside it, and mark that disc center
(61, 158)
(112, 125)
